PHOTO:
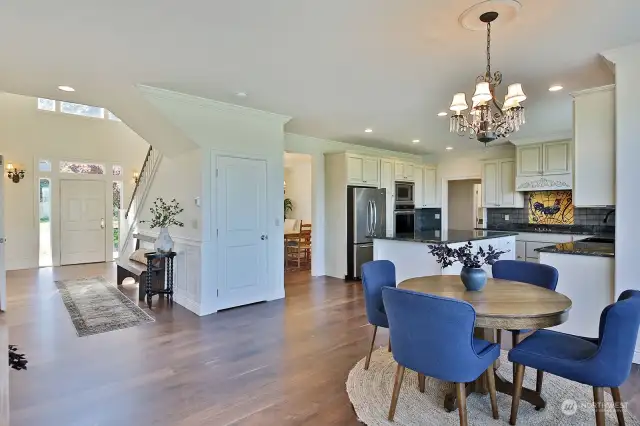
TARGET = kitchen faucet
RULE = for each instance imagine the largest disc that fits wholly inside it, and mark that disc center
(608, 214)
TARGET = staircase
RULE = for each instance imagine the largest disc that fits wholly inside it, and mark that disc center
(140, 192)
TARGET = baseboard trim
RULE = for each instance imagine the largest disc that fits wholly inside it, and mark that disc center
(187, 303)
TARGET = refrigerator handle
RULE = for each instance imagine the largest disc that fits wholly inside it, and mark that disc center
(369, 214)
(375, 218)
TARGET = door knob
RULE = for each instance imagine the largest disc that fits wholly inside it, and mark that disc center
(264, 237)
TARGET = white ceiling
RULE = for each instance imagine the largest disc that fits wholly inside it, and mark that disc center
(335, 66)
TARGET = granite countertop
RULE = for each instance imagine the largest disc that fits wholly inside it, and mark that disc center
(582, 248)
(553, 229)
(447, 236)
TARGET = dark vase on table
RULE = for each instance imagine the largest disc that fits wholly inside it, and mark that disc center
(474, 279)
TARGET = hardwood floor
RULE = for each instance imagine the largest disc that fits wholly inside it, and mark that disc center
(281, 363)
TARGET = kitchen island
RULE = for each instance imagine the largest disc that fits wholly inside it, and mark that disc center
(410, 252)
(586, 275)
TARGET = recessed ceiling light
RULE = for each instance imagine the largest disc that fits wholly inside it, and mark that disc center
(416, 141)
(66, 88)
(368, 130)
(241, 94)
(442, 114)
(555, 88)
(449, 148)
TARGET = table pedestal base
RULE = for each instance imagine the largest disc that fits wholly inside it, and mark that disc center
(502, 385)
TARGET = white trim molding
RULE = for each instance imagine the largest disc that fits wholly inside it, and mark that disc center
(534, 183)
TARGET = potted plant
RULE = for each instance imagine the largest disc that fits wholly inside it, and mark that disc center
(472, 275)
(288, 206)
(163, 216)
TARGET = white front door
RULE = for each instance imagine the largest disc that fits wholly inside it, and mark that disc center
(3, 272)
(82, 221)
(241, 206)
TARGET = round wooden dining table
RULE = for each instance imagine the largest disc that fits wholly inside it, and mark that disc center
(500, 305)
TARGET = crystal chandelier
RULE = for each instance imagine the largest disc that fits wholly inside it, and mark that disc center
(488, 119)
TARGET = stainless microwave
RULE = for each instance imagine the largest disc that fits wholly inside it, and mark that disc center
(404, 193)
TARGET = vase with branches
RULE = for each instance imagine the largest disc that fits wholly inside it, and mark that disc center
(473, 276)
(164, 215)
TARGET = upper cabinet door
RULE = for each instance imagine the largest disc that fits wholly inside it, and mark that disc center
(399, 170)
(408, 171)
(418, 190)
(355, 168)
(370, 171)
(529, 160)
(387, 179)
(557, 157)
(508, 195)
(490, 185)
(430, 188)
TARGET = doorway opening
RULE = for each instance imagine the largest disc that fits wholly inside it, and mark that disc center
(464, 205)
(44, 221)
(298, 194)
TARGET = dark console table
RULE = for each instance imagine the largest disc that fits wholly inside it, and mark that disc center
(155, 261)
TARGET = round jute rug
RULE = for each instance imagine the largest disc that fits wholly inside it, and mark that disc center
(568, 403)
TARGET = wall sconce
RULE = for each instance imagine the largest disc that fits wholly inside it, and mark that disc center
(14, 174)
(136, 177)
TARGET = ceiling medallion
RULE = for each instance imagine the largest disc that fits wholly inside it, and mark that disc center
(488, 119)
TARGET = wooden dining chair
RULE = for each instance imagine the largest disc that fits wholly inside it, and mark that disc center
(293, 250)
(305, 231)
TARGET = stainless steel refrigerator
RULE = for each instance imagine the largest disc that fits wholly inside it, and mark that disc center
(366, 217)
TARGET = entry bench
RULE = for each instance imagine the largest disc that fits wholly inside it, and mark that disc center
(138, 271)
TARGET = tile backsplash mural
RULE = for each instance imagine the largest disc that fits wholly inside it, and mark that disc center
(550, 208)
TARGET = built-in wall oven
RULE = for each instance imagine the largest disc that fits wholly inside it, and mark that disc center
(405, 218)
(404, 193)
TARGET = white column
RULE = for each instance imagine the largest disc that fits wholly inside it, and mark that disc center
(627, 75)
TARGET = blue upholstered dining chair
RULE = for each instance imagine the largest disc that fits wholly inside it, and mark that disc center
(604, 362)
(376, 275)
(531, 273)
(434, 336)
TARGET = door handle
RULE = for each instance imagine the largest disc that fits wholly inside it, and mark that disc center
(264, 237)
(102, 223)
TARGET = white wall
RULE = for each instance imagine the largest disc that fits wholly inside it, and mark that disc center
(297, 175)
(627, 69)
(224, 129)
(461, 199)
(27, 135)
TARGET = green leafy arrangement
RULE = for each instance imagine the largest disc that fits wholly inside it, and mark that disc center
(164, 214)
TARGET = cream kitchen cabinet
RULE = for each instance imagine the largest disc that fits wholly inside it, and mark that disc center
(529, 160)
(418, 189)
(387, 182)
(498, 184)
(556, 158)
(544, 166)
(594, 150)
(430, 189)
(363, 170)
(404, 171)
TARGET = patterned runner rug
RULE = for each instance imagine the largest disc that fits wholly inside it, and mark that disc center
(96, 306)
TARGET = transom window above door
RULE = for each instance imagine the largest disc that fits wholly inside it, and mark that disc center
(81, 168)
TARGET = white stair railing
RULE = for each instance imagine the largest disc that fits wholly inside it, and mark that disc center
(131, 215)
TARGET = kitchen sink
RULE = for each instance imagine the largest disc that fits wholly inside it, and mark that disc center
(598, 240)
